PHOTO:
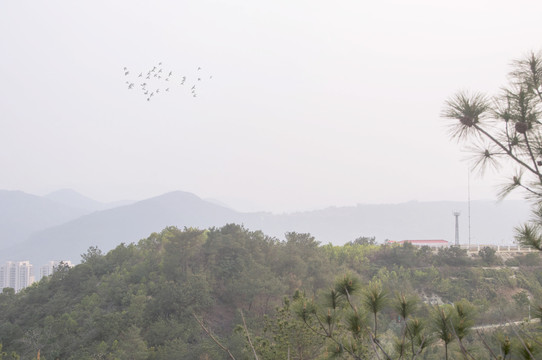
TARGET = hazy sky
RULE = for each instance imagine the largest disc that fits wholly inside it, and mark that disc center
(312, 103)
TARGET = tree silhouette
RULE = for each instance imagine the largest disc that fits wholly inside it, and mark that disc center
(505, 132)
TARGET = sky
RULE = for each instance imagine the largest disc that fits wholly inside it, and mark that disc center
(311, 103)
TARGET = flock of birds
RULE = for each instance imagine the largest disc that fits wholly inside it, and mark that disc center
(158, 80)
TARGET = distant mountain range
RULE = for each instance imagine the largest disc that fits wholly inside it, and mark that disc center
(64, 224)
(75, 200)
(22, 214)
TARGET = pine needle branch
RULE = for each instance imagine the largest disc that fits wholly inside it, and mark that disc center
(213, 338)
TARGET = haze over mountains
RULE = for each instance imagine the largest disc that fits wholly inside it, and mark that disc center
(64, 224)
(73, 199)
(22, 214)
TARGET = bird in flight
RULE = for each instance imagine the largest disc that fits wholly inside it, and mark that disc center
(155, 76)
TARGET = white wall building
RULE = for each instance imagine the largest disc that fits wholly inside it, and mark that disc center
(430, 243)
(16, 275)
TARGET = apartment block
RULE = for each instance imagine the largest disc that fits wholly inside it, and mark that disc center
(16, 275)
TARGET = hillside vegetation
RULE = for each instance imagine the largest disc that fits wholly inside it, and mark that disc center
(138, 301)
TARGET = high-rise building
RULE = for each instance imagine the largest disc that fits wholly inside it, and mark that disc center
(16, 275)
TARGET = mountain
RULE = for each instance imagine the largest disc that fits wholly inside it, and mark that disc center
(490, 223)
(125, 224)
(22, 214)
(74, 199)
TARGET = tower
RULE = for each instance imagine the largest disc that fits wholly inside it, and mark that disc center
(456, 214)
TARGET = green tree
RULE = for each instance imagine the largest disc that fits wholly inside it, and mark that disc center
(488, 255)
(340, 317)
(5, 356)
(441, 325)
(453, 256)
(375, 299)
(413, 338)
(522, 299)
(364, 240)
(130, 346)
(506, 131)
(287, 338)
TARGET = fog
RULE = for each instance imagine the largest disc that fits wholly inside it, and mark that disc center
(311, 103)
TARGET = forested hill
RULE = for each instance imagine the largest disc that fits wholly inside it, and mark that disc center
(108, 228)
(142, 297)
(138, 301)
